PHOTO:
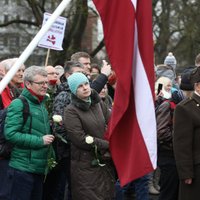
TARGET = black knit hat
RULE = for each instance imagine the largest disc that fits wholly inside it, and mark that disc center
(186, 83)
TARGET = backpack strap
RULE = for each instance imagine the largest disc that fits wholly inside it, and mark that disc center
(26, 111)
(1, 103)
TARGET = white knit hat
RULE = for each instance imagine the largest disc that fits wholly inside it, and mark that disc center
(170, 60)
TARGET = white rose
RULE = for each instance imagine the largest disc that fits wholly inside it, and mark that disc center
(47, 94)
(89, 139)
(57, 118)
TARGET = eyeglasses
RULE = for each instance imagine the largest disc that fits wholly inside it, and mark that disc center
(52, 73)
(41, 83)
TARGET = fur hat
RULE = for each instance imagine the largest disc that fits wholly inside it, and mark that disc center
(75, 80)
(195, 75)
(170, 60)
(186, 82)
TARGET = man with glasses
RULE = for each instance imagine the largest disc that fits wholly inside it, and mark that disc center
(32, 140)
(52, 75)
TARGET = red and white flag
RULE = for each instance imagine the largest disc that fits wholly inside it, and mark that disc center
(127, 26)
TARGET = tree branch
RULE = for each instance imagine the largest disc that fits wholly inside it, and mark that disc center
(19, 21)
(98, 48)
(38, 14)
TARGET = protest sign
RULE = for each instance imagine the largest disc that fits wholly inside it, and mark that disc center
(54, 37)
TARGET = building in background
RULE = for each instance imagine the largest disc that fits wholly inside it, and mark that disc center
(15, 37)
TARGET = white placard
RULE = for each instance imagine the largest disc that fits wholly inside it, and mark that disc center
(53, 39)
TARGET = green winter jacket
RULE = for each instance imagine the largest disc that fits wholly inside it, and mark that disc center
(29, 153)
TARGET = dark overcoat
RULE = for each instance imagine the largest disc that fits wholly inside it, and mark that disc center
(187, 146)
(89, 181)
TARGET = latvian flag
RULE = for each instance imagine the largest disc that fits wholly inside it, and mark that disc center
(127, 26)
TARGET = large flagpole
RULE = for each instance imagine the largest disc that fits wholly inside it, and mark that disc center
(30, 48)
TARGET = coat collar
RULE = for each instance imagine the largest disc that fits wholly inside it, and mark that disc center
(84, 105)
(32, 98)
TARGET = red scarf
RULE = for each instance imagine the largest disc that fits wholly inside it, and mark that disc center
(7, 95)
(53, 82)
(40, 98)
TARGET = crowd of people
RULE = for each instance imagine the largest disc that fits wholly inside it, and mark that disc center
(59, 152)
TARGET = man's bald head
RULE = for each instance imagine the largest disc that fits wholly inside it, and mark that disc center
(52, 74)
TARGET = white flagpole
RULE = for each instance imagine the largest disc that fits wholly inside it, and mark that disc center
(29, 49)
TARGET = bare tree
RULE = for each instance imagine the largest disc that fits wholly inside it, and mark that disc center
(32, 15)
(176, 28)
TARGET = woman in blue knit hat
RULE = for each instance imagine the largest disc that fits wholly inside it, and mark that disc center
(85, 119)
